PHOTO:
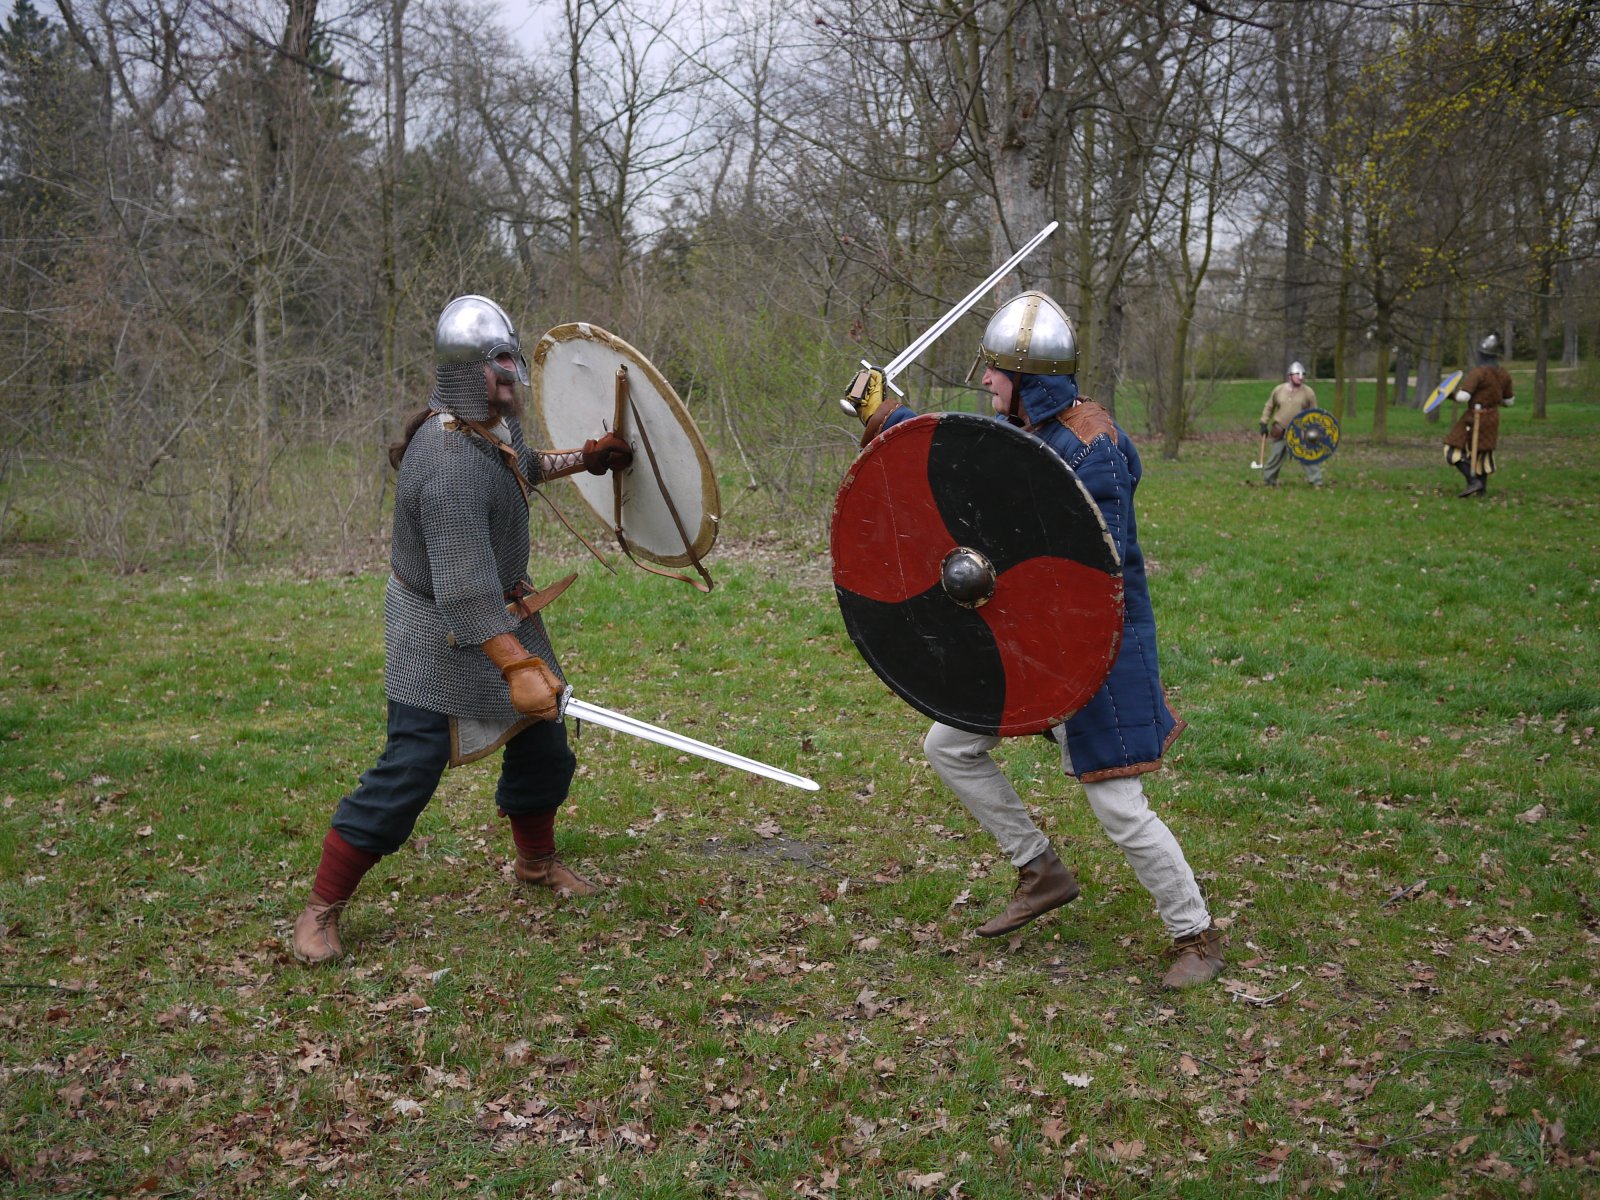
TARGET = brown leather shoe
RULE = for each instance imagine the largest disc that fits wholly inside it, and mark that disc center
(1043, 883)
(1199, 959)
(552, 873)
(316, 932)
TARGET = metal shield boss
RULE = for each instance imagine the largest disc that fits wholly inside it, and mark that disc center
(1313, 435)
(665, 507)
(976, 575)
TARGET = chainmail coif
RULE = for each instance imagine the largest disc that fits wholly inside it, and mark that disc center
(460, 388)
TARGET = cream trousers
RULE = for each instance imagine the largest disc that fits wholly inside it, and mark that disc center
(963, 761)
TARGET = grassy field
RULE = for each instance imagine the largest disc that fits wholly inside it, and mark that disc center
(1389, 789)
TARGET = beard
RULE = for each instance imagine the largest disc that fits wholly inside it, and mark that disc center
(504, 409)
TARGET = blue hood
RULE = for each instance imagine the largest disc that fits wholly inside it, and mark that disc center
(1043, 396)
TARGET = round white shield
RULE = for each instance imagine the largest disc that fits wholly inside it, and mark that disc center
(664, 507)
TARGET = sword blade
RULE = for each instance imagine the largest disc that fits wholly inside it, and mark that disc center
(909, 355)
(634, 727)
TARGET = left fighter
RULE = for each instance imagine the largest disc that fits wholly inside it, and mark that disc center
(469, 666)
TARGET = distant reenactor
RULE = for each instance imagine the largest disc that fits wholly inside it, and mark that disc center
(1288, 401)
(1470, 445)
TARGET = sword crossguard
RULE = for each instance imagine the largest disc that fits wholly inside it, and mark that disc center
(887, 382)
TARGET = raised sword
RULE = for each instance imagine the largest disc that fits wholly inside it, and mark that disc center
(933, 332)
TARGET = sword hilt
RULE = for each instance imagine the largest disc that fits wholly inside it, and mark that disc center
(888, 381)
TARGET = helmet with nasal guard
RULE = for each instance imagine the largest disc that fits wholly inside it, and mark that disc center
(475, 329)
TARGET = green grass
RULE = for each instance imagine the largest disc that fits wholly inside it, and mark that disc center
(1389, 790)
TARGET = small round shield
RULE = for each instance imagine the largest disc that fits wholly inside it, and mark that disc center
(1313, 435)
(1446, 386)
(665, 507)
(976, 575)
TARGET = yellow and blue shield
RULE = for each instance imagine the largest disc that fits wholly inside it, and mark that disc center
(1313, 436)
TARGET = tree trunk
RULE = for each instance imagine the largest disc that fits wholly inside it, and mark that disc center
(574, 180)
(299, 23)
(1383, 305)
(1176, 416)
(394, 164)
(1110, 343)
(1088, 343)
(1435, 372)
(1569, 316)
(259, 301)
(1541, 352)
(1021, 142)
(1343, 400)
(1294, 253)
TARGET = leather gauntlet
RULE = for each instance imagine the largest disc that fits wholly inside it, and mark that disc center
(865, 393)
(535, 688)
(608, 453)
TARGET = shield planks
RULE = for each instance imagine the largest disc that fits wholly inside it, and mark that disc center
(976, 575)
(1313, 435)
(667, 507)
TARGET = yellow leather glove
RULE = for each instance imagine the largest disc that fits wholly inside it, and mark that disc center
(865, 393)
(535, 688)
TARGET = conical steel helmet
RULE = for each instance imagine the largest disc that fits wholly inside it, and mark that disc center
(1030, 333)
(476, 329)
(1490, 346)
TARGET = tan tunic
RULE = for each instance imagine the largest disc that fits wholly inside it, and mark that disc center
(1285, 404)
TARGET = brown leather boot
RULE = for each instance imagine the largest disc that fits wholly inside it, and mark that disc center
(316, 932)
(552, 873)
(1043, 883)
(1199, 959)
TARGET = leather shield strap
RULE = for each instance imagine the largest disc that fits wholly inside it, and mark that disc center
(624, 406)
(508, 454)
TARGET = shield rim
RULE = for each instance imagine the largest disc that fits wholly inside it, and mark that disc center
(1333, 445)
(1036, 725)
(1445, 385)
(711, 500)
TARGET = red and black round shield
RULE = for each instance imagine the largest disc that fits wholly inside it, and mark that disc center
(976, 575)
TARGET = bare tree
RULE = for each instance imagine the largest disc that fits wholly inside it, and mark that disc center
(1208, 171)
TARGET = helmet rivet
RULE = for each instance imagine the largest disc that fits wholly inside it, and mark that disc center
(1030, 333)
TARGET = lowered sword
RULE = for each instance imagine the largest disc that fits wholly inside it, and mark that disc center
(622, 723)
(933, 332)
